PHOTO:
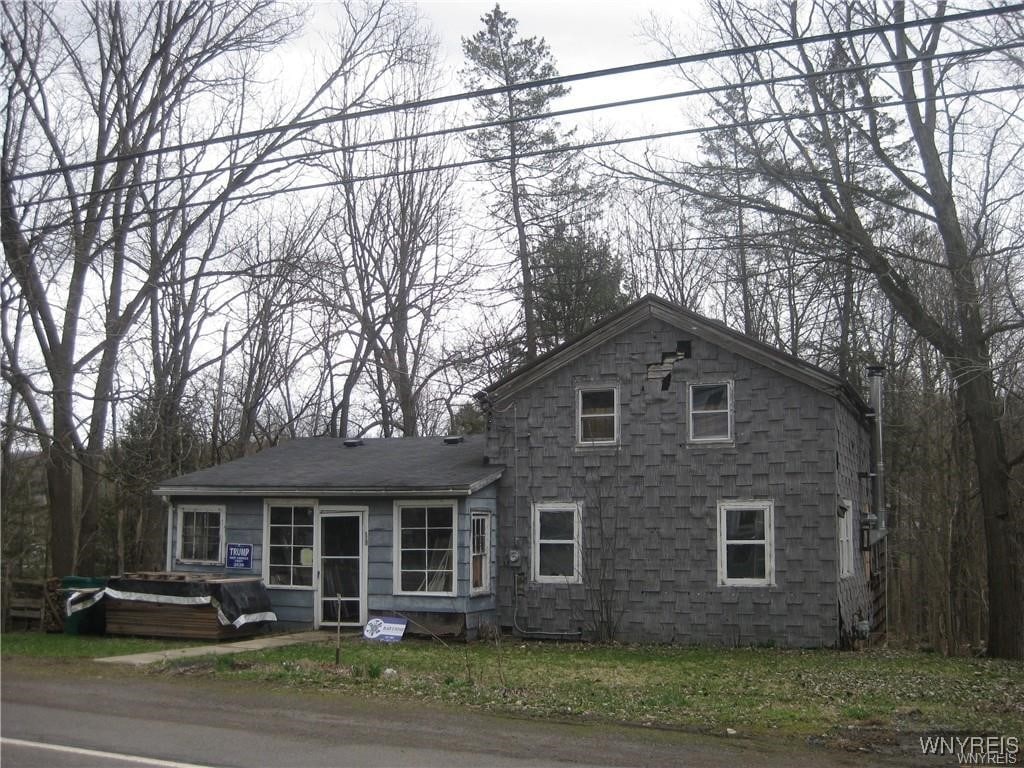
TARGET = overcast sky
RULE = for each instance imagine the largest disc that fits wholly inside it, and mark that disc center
(583, 35)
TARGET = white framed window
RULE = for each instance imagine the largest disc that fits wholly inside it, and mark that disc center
(597, 421)
(425, 547)
(480, 552)
(844, 526)
(556, 543)
(201, 534)
(710, 412)
(746, 547)
(289, 535)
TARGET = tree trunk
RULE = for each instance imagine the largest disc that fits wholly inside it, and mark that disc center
(1004, 550)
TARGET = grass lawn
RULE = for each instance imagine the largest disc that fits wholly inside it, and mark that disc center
(58, 646)
(754, 691)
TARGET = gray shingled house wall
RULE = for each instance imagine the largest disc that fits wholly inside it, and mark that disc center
(650, 503)
(854, 452)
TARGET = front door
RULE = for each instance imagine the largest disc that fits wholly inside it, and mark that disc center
(341, 594)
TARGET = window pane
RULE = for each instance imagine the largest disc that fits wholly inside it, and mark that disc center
(709, 397)
(280, 574)
(745, 561)
(744, 524)
(280, 535)
(599, 401)
(303, 516)
(302, 577)
(439, 581)
(280, 555)
(710, 424)
(439, 558)
(414, 581)
(556, 560)
(414, 517)
(213, 546)
(478, 571)
(597, 428)
(341, 577)
(414, 539)
(439, 539)
(479, 535)
(557, 524)
(341, 536)
(415, 560)
(440, 518)
(302, 537)
(280, 515)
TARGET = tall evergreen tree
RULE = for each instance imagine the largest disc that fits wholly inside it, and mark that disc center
(529, 179)
(579, 283)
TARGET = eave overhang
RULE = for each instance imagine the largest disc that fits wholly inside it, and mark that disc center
(319, 491)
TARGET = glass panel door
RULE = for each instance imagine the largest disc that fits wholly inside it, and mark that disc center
(340, 568)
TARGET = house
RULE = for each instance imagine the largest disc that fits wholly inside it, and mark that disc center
(671, 480)
(342, 529)
(660, 479)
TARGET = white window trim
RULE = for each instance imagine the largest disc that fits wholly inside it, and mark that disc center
(221, 511)
(689, 412)
(768, 507)
(844, 537)
(577, 567)
(485, 515)
(579, 414)
(265, 571)
(396, 556)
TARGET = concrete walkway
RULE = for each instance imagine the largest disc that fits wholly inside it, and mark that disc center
(221, 649)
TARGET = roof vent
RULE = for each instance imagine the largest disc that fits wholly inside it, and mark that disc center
(453, 439)
(353, 442)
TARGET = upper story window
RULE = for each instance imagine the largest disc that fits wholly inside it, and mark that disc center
(598, 416)
(201, 533)
(711, 412)
(746, 543)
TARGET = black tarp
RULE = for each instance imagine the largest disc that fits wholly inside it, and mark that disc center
(238, 601)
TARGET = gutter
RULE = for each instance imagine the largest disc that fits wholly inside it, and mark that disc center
(307, 491)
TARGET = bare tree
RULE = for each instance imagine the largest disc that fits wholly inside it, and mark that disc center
(396, 245)
(94, 95)
(936, 152)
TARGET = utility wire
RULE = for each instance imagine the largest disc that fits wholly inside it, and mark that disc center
(703, 91)
(698, 130)
(696, 58)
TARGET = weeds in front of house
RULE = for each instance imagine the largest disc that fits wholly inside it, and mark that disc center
(753, 691)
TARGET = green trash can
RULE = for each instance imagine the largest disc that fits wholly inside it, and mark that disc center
(91, 620)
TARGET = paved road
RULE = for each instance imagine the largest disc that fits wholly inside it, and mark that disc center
(95, 715)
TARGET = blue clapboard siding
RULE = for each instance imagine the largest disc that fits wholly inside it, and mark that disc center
(243, 525)
(650, 503)
(295, 606)
(479, 610)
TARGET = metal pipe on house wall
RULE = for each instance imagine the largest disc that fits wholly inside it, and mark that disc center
(877, 375)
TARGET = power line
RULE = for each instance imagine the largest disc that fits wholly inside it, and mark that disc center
(699, 130)
(697, 58)
(702, 91)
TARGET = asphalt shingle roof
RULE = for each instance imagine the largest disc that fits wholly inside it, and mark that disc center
(326, 465)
